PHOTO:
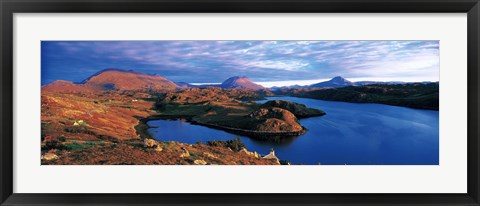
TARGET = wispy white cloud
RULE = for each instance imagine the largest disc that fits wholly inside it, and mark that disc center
(207, 61)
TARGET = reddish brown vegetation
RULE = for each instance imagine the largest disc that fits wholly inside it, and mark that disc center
(62, 86)
(95, 123)
(211, 94)
(103, 113)
(128, 80)
(133, 152)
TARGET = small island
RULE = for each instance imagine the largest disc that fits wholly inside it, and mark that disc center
(223, 109)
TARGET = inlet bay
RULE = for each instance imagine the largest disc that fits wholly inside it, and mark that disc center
(350, 133)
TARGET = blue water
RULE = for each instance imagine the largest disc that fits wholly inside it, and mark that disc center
(350, 133)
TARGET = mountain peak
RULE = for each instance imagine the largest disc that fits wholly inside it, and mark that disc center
(129, 80)
(338, 78)
(240, 77)
(110, 70)
(237, 78)
(240, 82)
(335, 82)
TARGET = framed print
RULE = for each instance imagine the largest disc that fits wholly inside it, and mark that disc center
(253, 103)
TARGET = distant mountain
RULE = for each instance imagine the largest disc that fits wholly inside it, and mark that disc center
(363, 83)
(240, 82)
(129, 80)
(336, 82)
(296, 86)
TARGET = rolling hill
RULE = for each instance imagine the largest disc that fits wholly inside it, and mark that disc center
(240, 82)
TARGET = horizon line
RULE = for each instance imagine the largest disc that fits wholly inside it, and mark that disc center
(282, 83)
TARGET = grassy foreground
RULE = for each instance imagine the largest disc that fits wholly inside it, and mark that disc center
(94, 128)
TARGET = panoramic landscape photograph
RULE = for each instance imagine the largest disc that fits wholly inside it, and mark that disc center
(240, 102)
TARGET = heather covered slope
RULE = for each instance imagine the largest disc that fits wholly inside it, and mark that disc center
(197, 95)
(102, 121)
(106, 128)
(151, 152)
(102, 114)
(112, 79)
(129, 80)
(67, 87)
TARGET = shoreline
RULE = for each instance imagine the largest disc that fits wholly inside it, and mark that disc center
(142, 128)
(359, 102)
(260, 135)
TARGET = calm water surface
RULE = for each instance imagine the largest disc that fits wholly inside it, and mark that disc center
(350, 133)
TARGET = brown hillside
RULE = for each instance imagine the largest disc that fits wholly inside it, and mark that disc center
(128, 80)
(66, 87)
(102, 113)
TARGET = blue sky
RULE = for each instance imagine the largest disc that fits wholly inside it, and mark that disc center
(268, 62)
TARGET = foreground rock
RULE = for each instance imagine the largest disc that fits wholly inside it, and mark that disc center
(150, 143)
(272, 156)
(199, 162)
(49, 156)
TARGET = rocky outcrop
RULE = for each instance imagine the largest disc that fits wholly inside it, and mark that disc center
(150, 143)
(210, 155)
(272, 155)
(270, 124)
(253, 154)
(49, 156)
(200, 162)
(274, 120)
(184, 153)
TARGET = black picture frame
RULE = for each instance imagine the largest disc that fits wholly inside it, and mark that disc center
(10, 7)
